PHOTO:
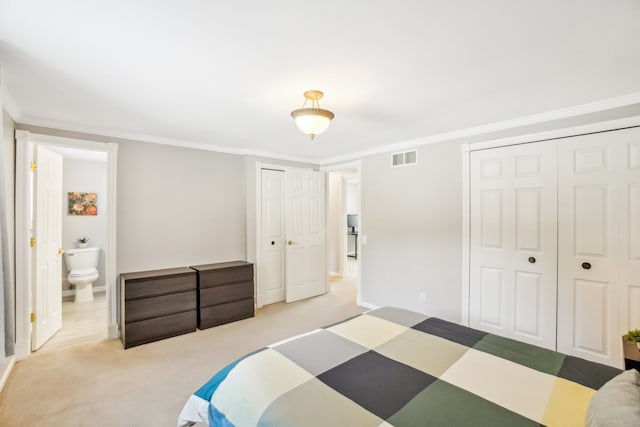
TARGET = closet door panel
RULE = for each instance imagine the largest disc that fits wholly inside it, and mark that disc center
(490, 255)
(491, 295)
(513, 242)
(528, 316)
(534, 243)
(629, 221)
(590, 220)
(591, 317)
(492, 219)
(528, 220)
(588, 248)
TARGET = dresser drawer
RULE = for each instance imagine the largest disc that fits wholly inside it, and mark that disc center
(223, 273)
(224, 313)
(147, 308)
(158, 328)
(148, 287)
(225, 293)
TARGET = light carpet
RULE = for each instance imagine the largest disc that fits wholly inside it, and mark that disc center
(101, 384)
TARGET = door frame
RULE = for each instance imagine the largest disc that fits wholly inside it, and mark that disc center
(258, 225)
(357, 166)
(25, 142)
(467, 148)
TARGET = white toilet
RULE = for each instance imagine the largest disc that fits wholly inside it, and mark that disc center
(82, 264)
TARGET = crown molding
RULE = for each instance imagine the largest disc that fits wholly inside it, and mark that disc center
(578, 110)
(563, 113)
(138, 137)
(566, 132)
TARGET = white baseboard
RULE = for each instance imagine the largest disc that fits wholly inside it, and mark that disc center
(72, 292)
(114, 331)
(5, 370)
(367, 305)
(22, 349)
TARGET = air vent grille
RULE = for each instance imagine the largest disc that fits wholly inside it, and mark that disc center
(404, 159)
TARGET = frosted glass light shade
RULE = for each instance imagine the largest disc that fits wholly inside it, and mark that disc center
(312, 121)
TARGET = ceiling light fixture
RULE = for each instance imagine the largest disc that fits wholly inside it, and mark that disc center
(312, 120)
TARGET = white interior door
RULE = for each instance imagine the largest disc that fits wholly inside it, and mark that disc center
(588, 248)
(629, 223)
(305, 233)
(599, 244)
(273, 239)
(47, 293)
(514, 242)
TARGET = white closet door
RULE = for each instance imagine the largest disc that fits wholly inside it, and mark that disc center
(272, 241)
(306, 264)
(513, 242)
(588, 246)
(629, 222)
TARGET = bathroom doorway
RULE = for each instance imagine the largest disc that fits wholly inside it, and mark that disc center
(84, 238)
(66, 300)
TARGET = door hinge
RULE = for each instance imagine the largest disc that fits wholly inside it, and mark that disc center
(34, 166)
(32, 242)
(33, 318)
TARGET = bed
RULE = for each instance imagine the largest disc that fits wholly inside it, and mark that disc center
(393, 367)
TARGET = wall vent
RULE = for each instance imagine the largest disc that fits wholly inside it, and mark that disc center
(404, 159)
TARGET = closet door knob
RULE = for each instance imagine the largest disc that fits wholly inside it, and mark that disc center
(289, 242)
(273, 243)
(586, 265)
(531, 260)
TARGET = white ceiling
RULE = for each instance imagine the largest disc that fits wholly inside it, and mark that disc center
(228, 73)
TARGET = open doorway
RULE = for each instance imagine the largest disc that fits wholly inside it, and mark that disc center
(84, 242)
(65, 242)
(343, 229)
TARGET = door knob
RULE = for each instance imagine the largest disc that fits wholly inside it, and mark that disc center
(531, 260)
(289, 242)
(60, 251)
(273, 243)
(586, 265)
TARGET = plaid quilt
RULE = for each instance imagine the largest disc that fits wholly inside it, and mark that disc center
(393, 367)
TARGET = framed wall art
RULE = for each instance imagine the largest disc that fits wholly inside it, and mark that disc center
(82, 203)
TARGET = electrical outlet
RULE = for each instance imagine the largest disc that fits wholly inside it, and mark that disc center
(423, 297)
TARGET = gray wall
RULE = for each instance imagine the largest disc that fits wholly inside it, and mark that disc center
(412, 217)
(175, 206)
(88, 177)
(178, 207)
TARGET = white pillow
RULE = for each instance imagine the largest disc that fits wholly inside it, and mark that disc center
(617, 403)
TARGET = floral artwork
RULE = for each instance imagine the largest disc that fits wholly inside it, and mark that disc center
(83, 203)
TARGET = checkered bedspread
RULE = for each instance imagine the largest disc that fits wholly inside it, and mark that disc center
(396, 367)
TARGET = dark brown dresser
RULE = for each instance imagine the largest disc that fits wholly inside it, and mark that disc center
(157, 304)
(225, 292)
(631, 355)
